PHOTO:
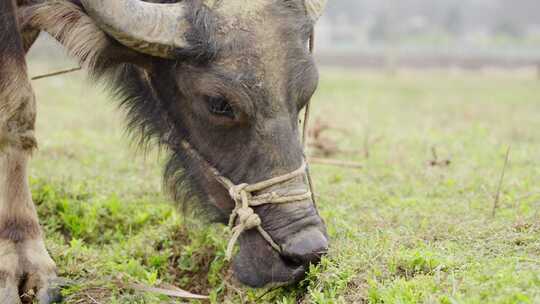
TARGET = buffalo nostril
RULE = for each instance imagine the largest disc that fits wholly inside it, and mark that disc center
(306, 247)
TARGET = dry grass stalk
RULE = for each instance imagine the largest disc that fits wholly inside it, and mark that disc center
(499, 187)
(366, 142)
(173, 292)
(335, 162)
(92, 299)
(436, 162)
(57, 73)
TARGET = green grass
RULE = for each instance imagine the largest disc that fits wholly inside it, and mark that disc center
(402, 231)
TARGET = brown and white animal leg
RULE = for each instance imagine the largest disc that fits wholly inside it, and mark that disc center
(26, 269)
(24, 261)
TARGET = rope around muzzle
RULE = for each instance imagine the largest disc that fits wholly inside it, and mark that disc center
(244, 198)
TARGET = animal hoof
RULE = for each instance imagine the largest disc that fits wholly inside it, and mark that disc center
(44, 289)
(27, 274)
(50, 295)
(50, 292)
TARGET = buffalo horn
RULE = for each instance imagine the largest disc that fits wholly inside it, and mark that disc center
(151, 28)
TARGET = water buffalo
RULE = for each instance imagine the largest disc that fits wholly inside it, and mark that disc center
(218, 84)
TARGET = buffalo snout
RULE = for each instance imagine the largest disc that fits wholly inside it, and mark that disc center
(306, 247)
(300, 232)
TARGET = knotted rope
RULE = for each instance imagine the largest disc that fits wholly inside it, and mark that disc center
(245, 198)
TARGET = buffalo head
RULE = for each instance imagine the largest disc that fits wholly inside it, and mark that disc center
(230, 78)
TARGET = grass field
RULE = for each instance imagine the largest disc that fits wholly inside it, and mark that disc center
(402, 230)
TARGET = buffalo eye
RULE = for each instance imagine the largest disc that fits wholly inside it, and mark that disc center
(219, 106)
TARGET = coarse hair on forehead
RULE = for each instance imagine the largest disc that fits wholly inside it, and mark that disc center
(203, 41)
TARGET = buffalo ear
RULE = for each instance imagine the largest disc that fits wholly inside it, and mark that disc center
(314, 9)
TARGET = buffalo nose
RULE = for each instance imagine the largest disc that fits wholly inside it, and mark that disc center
(307, 246)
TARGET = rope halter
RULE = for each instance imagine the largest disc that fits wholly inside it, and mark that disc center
(244, 198)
